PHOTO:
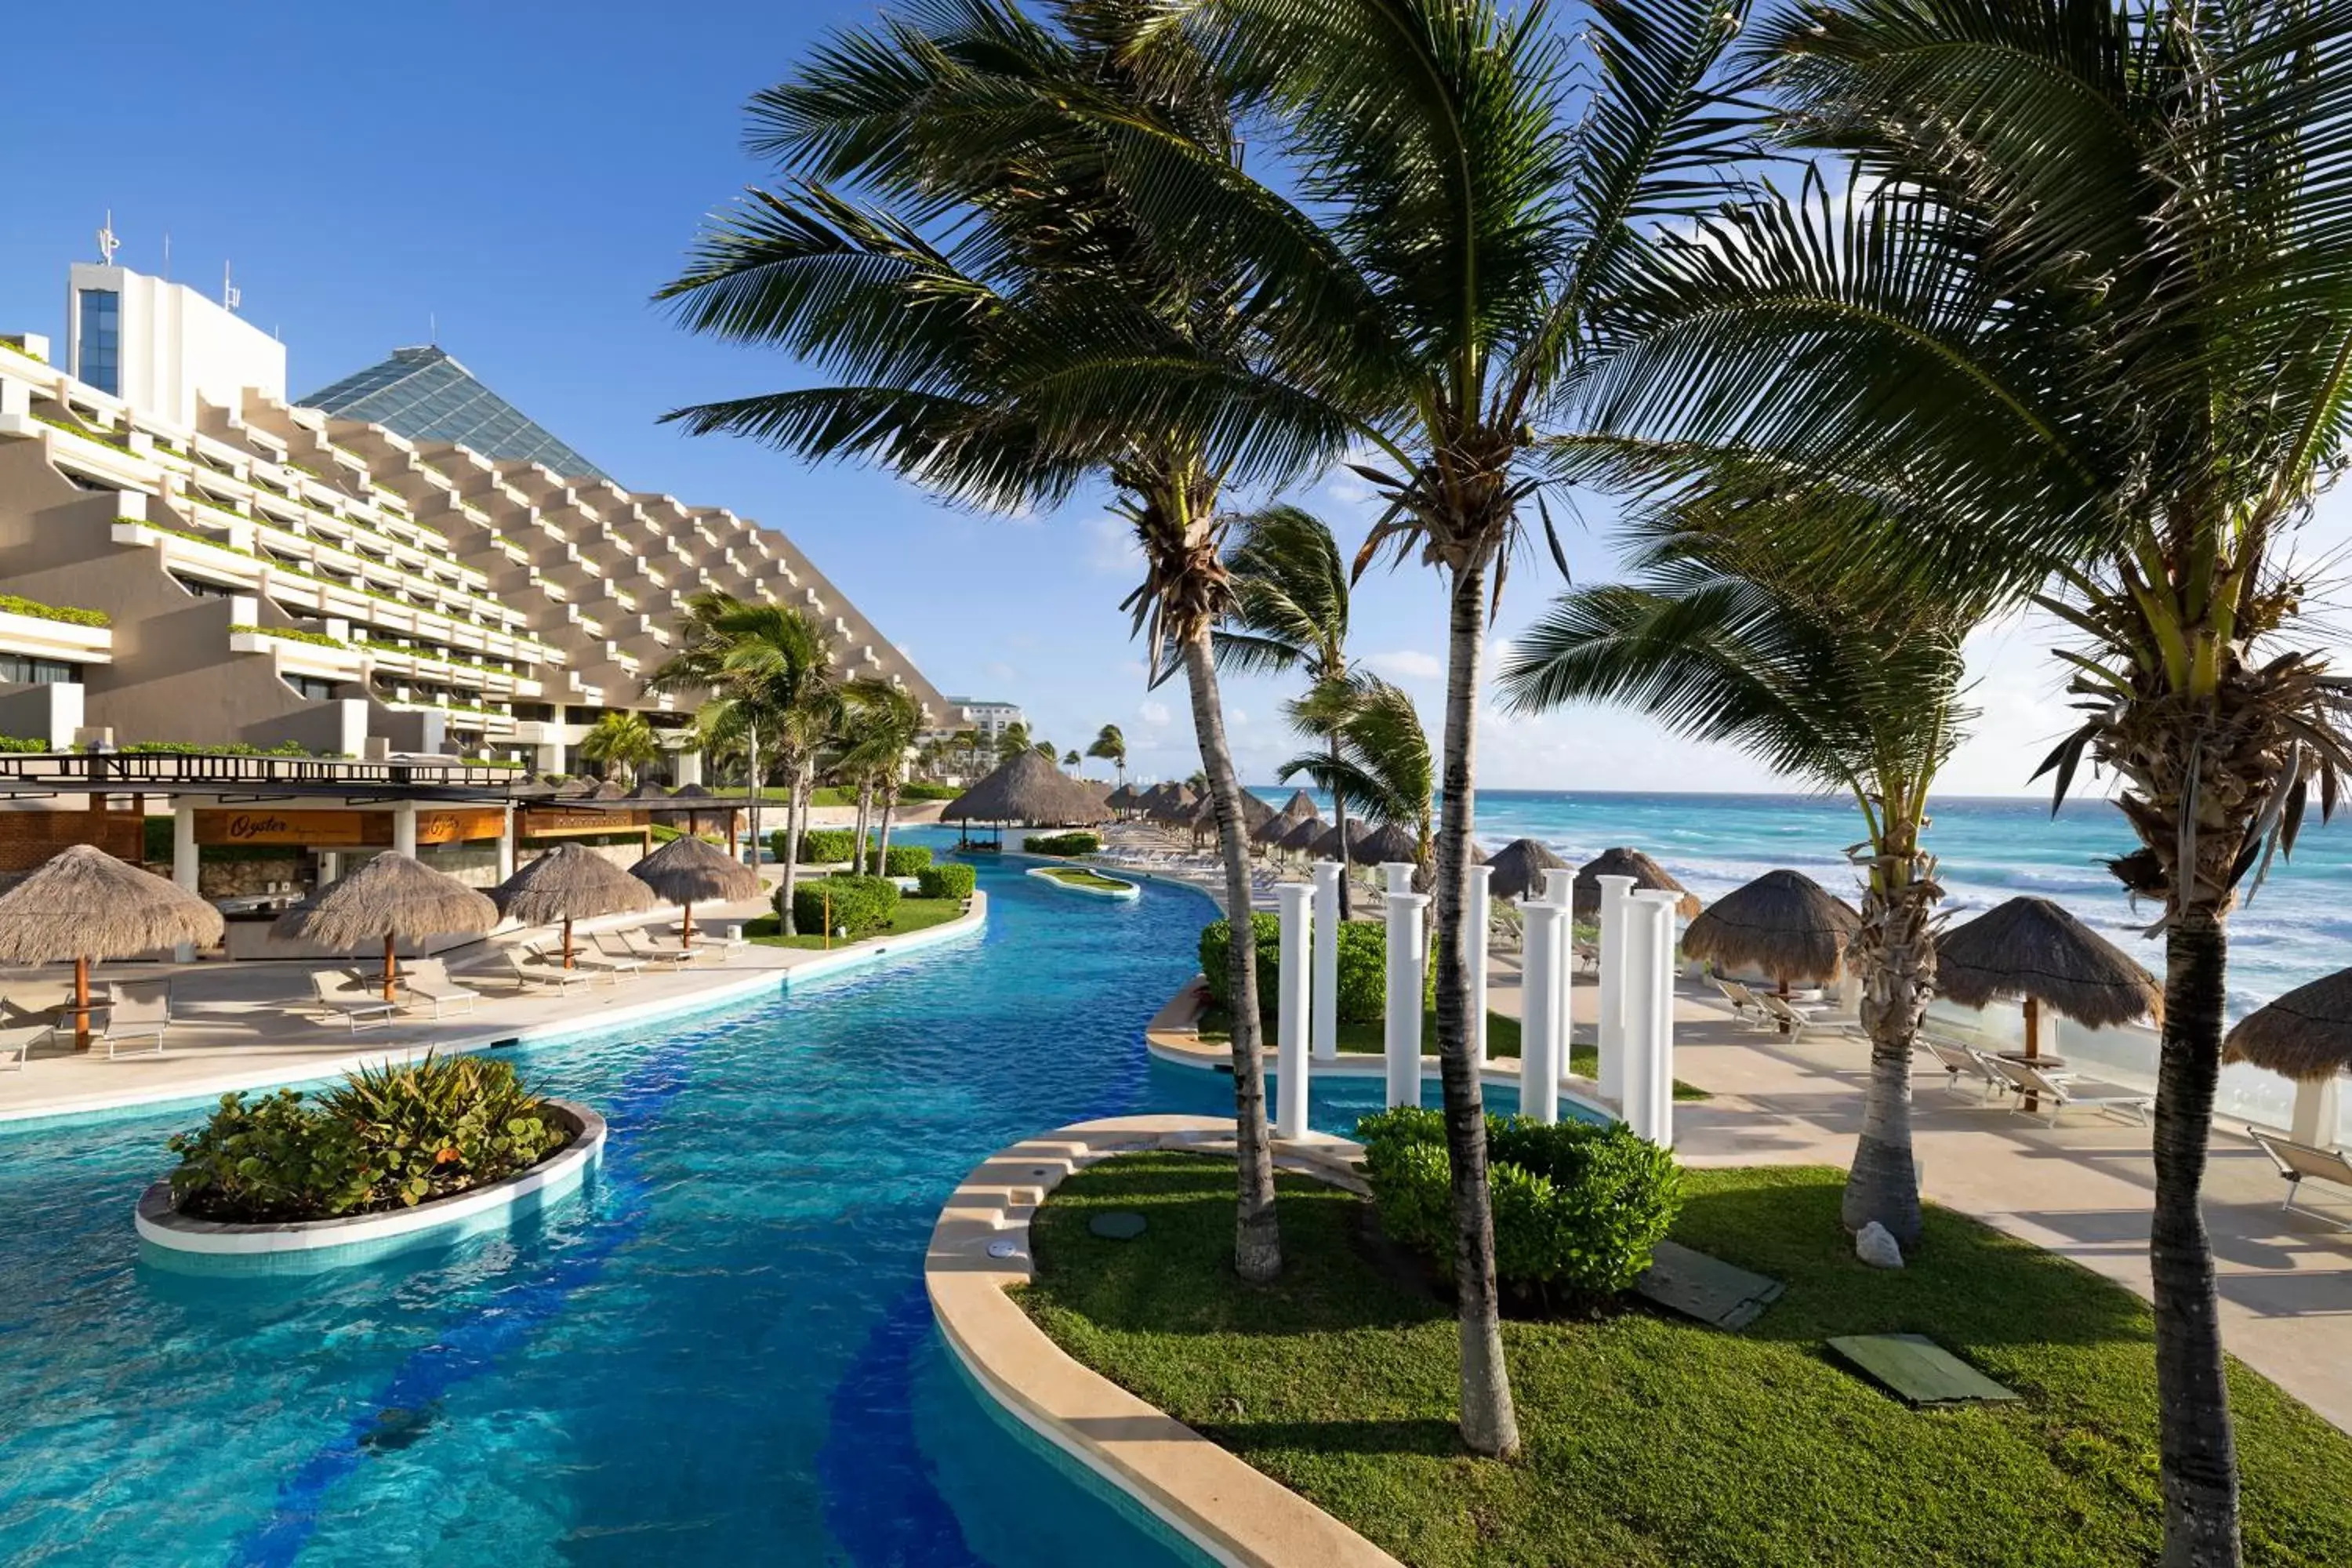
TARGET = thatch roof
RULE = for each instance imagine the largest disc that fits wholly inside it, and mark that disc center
(82, 902)
(1255, 814)
(1783, 924)
(1123, 798)
(570, 882)
(608, 789)
(1519, 867)
(1028, 789)
(1388, 842)
(1299, 808)
(1172, 803)
(691, 871)
(2031, 947)
(1647, 874)
(393, 895)
(1327, 844)
(1303, 835)
(645, 789)
(2305, 1034)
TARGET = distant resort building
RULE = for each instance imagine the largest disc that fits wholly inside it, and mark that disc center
(401, 563)
(989, 720)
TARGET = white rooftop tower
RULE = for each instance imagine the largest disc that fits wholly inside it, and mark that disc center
(156, 344)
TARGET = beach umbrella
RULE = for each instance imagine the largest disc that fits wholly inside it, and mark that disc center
(1519, 867)
(1302, 835)
(1326, 846)
(2306, 1034)
(688, 871)
(1783, 924)
(1255, 814)
(1388, 841)
(1175, 805)
(83, 904)
(1584, 897)
(2031, 950)
(393, 897)
(1299, 808)
(570, 882)
(1122, 798)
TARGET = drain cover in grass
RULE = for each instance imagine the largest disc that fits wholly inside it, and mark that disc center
(1118, 1226)
(1707, 1289)
(1918, 1369)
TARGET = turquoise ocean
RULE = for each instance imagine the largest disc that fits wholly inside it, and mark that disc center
(2296, 928)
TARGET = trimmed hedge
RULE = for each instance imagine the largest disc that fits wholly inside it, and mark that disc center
(827, 846)
(25, 743)
(1578, 1209)
(948, 880)
(903, 860)
(1062, 843)
(1363, 967)
(929, 791)
(858, 906)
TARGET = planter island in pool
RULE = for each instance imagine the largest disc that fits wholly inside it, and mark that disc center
(1083, 879)
(188, 1245)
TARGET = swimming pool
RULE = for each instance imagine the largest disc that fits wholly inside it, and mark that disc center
(718, 1351)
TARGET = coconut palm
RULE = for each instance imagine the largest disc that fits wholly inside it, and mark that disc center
(1455, 250)
(1046, 749)
(1290, 613)
(1716, 640)
(1378, 757)
(960, 245)
(620, 742)
(2088, 327)
(1110, 746)
(881, 726)
(1012, 740)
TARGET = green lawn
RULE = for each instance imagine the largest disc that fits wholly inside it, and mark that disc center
(1079, 877)
(1502, 1041)
(914, 914)
(1652, 1440)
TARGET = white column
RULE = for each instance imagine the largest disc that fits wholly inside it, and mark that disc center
(1294, 991)
(1559, 888)
(1399, 874)
(1400, 1034)
(1649, 1103)
(1610, 1032)
(507, 845)
(690, 766)
(1475, 916)
(1540, 995)
(2317, 1112)
(184, 863)
(1324, 1002)
(403, 828)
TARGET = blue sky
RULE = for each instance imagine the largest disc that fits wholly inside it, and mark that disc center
(523, 176)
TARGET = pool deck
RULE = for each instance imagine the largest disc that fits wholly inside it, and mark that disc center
(252, 1026)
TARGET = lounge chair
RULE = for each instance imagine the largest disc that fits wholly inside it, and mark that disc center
(1743, 1004)
(16, 1042)
(2301, 1162)
(428, 981)
(2065, 1091)
(1785, 1017)
(533, 970)
(1960, 1061)
(341, 993)
(135, 1013)
(587, 959)
(633, 942)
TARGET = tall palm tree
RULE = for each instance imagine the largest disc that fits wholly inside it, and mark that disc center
(880, 725)
(1470, 191)
(1046, 749)
(1720, 641)
(1110, 746)
(2090, 323)
(1378, 757)
(1000, 325)
(1072, 760)
(622, 742)
(1290, 613)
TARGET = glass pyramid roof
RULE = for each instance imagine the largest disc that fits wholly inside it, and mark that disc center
(425, 395)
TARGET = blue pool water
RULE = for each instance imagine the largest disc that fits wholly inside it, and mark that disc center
(719, 1353)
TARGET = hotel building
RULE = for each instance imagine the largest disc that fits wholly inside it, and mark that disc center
(402, 563)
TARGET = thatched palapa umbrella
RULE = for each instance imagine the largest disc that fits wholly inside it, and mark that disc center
(1326, 846)
(2032, 950)
(1028, 789)
(1584, 897)
(1299, 808)
(1783, 924)
(688, 871)
(1519, 868)
(1303, 836)
(83, 904)
(1389, 841)
(1122, 798)
(393, 897)
(570, 882)
(608, 789)
(2306, 1034)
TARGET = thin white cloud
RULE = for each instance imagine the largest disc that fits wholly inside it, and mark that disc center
(1153, 713)
(1407, 664)
(1111, 549)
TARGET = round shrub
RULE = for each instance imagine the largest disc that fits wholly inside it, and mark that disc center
(1062, 843)
(1578, 1209)
(827, 846)
(1363, 967)
(904, 859)
(949, 879)
(857, 906)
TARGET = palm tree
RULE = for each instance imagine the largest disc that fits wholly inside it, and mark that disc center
(1470, 197)
(1046, 749)
(997, 317)
(1072, 760)
(621, 742)
(1378, 757)
(2088, 327)
(1290, 613)
(1110, 745)
(882, 725)
(1012, 740)
(1722, 643)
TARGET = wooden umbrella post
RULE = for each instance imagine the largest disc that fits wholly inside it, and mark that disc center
(390, 969)
(567, 942)
(2032, 1043)
(686, 927)
(81, 1003)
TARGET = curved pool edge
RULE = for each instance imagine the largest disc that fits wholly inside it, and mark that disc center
(188, 1245)
(873, 950)
(1126, 891)
(1234, 1514)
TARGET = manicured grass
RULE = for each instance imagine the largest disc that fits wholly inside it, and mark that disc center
(1079, 877)
(1652, 1440)
(1502, 1041)
(913, 915)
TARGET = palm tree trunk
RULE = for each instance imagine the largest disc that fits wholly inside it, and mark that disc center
(1257, 1238)
(890, 802)
(792, 855)
(1489, 1424)
(1897, 953)
(2198, 1449)
(864, 814)
(752, 736)
(1339, 811)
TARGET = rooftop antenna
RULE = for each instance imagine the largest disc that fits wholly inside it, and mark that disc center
(107, 243)
(231, 296)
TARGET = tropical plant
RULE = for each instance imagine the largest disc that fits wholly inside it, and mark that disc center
(857, 907)
(1077, 843)
(620, 742)
(1110, 746)
(880, 725)
(1012, 740)
(1290, 613)
(1072, 760)
(1720, 641)
(1046, 749)
(998, 317)
(2084, 323)
(1378, 757)
(952, 879)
